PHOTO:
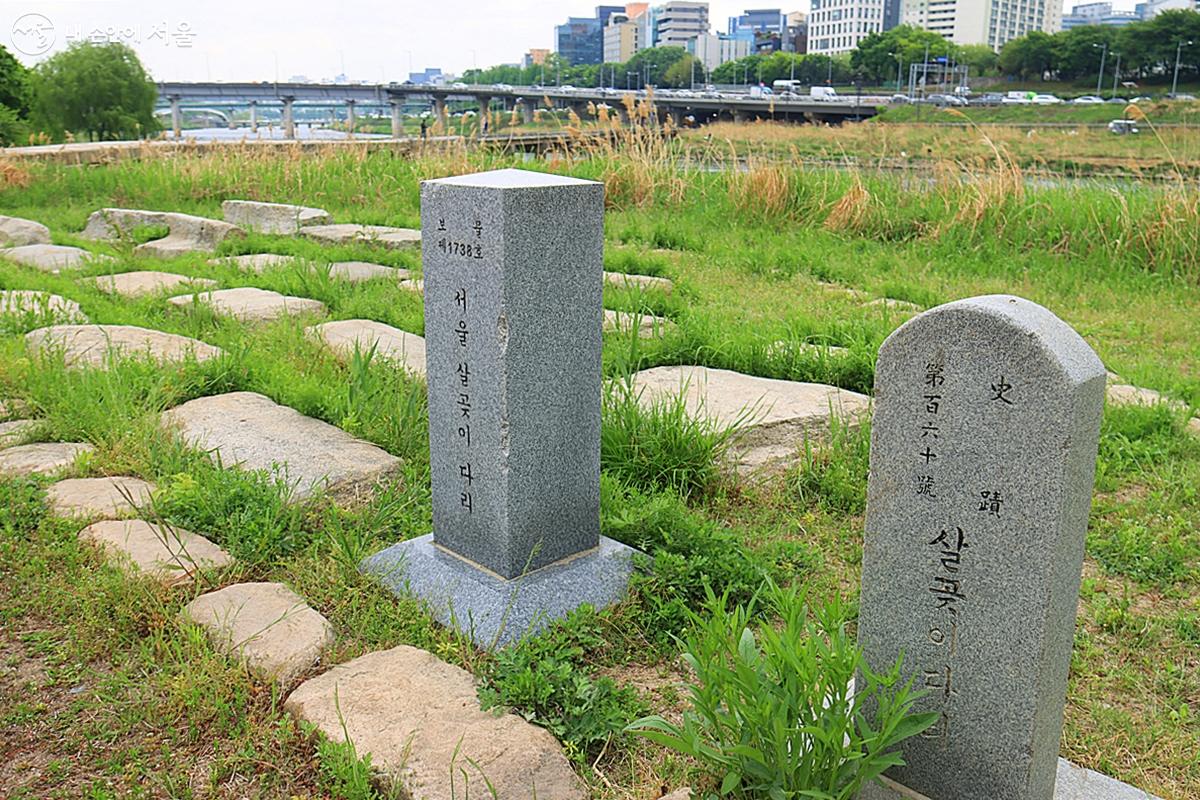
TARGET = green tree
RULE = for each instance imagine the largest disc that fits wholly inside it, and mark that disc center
(14, 99)
(1077, 52)
(879, 55)
(980, 58)
(98, 89)
(653, 61)
(683, 72)
(1031, 55)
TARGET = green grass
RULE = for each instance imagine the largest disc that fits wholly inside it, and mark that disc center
(770, 273)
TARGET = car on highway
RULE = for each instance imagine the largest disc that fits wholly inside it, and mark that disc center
(1017, 98)
(1087, 100)
(944, 100)
(504, 87)
(567, 88)
(1117, 101)
(1046, 100)
(458, 85)
(1182, 96)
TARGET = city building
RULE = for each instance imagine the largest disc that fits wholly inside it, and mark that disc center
(676, 23)
(535, 57)
(1097, 14)
(712, 50)
(990, 22)
(431, 75)
(762, 20)
(796, 38)
(620, 39)
(1153, 8)
(837, 26)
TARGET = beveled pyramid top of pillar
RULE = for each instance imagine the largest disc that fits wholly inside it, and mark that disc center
(511, 179)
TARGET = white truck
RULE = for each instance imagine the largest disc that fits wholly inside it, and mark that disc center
(822, 93)
(787, 87)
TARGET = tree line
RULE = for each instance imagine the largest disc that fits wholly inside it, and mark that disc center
(94, 91)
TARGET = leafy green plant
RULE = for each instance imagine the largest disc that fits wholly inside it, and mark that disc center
(545, 680)
(773, 714)
(833, 474)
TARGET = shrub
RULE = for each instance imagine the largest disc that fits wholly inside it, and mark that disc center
(544, 679)
(772, 712)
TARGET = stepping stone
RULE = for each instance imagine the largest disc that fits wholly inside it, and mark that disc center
(15, 232)
(140, 283)
(52, 258)
(359, 271)
(256, 262)
(417, 285)
(787, 348)
(419, 719)
(1193, 426)
(776, 417)
(12, 407)
(629, 280)
(249, 304)
(401, 347)
(647, 324)
(98, 497)
(279, 218)
(170, 555)
(839, 288)
(254, 432)
(1123, 394)
(893, 304)
(12, 433)
(41, 458)
(267, 625)
(186, 233)
(349, 233)
(94, 345)
(40, 305)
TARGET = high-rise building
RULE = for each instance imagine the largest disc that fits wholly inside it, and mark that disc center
(677, 23)
(990, 22)
(536, 56)
(761, 20)
(1152, 8)
(620, 39)
(713, 50)
(796, 38)
(837, 26)
(1096, 14)
(580, 40)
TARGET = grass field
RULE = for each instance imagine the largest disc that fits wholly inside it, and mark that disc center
(104, 693)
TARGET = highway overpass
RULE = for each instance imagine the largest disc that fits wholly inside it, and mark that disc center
(525, 99)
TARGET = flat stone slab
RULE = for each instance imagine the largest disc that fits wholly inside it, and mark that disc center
(893, 304)
(186, 233)
(12, 433)
(647, 324)
(1123, 394)
(40, 305)
(419, 719)
(1072, 782)
(629, 280)
(52, 258)
(169, 555)
(786, 348)
(359, 271)
(392, 344)
(267, 625)
(41, 458)
(98, 497)
(143, 282)
(15, 232)
(256, 262)
(254, 432)
(10, 407)
(417, 285)
(278, 218)
(250, 304)
(94, 345)
(350, 233)
(776, 417)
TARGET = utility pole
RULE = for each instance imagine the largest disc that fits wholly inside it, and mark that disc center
(1100, 77)
(1116, 72)
(1175, 80)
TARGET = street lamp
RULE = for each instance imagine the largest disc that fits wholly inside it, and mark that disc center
(1116, 72)
(899, 67)
(1175, 80)
(1103, 55)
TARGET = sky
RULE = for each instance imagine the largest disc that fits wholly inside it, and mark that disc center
(268, 40)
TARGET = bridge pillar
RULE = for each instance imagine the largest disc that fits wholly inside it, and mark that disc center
(676, 116)
(741, 116)
(289, 122)
(350, 117)
(485, 111)
(176, 117)
(439, 111)
(526, 110)
(397, 122)
(254, 116)
(622, 113)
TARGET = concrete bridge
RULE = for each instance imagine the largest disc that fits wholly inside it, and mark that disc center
(525, 99)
